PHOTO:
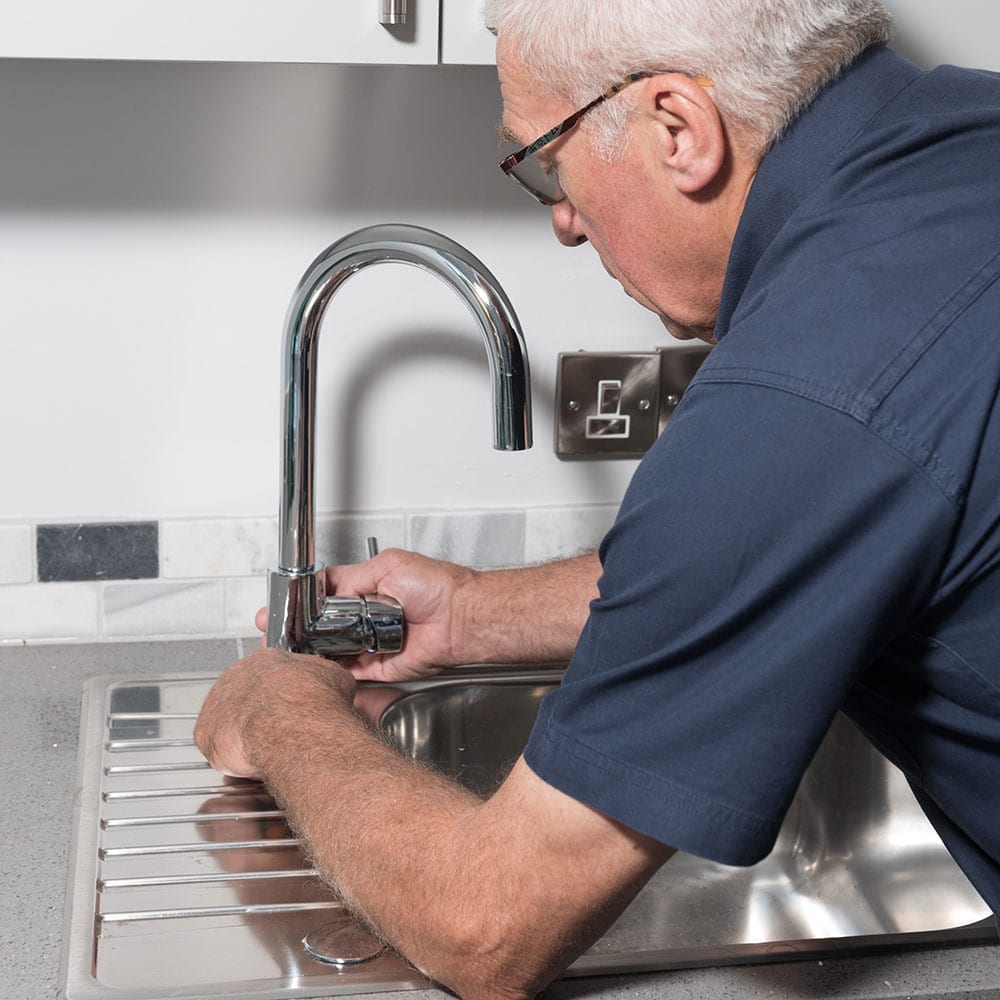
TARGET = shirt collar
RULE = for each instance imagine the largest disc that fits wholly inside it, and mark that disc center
(794, 165)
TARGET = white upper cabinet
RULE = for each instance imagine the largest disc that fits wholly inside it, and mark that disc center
(464, 37)
(317, 31)
(348, 31)
(960, 31)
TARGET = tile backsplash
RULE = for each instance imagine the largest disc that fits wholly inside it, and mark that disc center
(207, 577)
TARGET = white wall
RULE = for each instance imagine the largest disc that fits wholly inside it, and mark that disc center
(154, 219)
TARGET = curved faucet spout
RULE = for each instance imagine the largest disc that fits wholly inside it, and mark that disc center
(295, 608)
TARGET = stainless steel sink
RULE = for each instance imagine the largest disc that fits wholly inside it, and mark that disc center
(186, 885)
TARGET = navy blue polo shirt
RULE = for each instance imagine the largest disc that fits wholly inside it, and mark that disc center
(819, 526)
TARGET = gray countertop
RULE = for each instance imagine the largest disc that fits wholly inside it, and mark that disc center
(40, 713)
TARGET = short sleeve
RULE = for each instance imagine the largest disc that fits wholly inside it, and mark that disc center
(767, 548)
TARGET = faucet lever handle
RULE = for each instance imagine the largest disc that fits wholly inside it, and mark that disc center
(385, 617)
(347, 626)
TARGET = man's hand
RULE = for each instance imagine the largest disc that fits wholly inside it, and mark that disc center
(250, 697)
(456, 615)
(436, 597)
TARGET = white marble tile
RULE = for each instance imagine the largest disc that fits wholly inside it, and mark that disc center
(484, 539)
(244, 595)
(48, 611)
(192, 549)
(341, 538)
(16, 556)
(560, 532)
(163, 609)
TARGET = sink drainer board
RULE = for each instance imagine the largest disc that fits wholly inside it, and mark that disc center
(184, 884)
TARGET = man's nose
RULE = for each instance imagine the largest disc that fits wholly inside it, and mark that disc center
(566, 224)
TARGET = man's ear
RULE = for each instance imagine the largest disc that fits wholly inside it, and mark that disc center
(687, 130)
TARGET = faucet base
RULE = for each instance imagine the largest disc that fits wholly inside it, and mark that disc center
(302, 619)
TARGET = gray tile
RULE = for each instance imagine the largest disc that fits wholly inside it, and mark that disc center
(48, 611)
(244, 595)
(341, 538)
(121, 551)
(213, 547)
(484, 539)
(560, 532)
(164, 609)
(16, 558)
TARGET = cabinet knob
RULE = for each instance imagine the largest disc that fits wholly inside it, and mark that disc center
(392, 12)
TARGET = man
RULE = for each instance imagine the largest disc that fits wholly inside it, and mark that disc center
(818, 529)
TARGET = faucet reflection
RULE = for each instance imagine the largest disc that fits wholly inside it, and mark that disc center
(301, 618)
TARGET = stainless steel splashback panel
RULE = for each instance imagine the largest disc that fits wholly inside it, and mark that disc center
(188, 885)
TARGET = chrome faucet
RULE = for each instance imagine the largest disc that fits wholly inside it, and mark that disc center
(301, 617)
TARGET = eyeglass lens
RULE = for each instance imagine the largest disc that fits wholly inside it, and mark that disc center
(533, 177)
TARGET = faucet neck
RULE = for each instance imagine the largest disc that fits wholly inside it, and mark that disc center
(475, 285)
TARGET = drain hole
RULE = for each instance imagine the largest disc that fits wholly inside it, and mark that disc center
(342, 942)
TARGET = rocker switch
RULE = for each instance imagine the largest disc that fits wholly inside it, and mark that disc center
(609, 421)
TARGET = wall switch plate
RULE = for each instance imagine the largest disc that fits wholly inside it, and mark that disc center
(614, 405)
(677, 367)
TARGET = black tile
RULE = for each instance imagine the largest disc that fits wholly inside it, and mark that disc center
(123, 551)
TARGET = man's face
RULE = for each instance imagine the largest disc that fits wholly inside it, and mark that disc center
(627, 209)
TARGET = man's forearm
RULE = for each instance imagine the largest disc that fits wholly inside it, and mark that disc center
(452, 882)
(376, 830)
(533, 614)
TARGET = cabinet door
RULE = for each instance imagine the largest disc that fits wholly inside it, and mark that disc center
(464, 37)
(963, 32)
(341, 31)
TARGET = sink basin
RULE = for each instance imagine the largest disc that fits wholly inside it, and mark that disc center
(186, 885)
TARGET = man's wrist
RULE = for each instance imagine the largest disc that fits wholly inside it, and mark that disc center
(272, 729)
(532, 614)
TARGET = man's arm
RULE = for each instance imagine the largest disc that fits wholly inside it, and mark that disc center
(456, 615)
(493, 899)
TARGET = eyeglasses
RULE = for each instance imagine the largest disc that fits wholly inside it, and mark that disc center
(523, 167)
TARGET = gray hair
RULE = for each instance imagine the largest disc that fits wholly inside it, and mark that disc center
(767, 58)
